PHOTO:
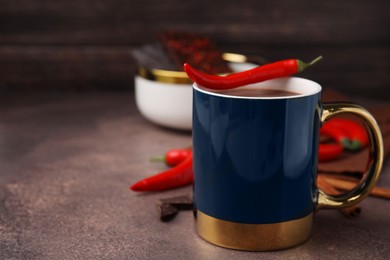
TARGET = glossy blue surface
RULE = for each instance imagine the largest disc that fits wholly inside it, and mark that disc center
(255, 160)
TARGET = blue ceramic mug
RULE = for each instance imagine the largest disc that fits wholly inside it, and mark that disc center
(255, 164)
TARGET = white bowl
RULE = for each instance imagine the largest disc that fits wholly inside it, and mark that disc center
(165, 97)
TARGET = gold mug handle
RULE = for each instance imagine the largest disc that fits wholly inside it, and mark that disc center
(375, 161)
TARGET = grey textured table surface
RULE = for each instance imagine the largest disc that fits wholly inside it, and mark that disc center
(66, 162)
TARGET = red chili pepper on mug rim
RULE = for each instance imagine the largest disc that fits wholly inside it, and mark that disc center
(277, 69)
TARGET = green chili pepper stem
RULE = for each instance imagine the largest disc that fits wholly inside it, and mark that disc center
(354, 146)
(345, 142)
(158, 159)
(351, 145)
(303, 65)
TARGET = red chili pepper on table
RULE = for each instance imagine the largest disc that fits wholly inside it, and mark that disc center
(329, 152)
(277, 69)
(173, 157)
(355, 135)
(180, 175)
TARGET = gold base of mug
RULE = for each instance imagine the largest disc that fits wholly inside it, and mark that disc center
(253, 237)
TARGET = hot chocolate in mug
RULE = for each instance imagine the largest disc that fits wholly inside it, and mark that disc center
(255, 162)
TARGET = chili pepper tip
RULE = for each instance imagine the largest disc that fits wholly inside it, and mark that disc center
(188, 70)
(138, 186)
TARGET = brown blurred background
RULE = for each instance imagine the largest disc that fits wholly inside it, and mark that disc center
(82, 45)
